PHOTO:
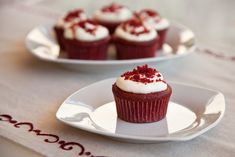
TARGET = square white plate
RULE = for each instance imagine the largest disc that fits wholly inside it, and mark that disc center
(191, 112)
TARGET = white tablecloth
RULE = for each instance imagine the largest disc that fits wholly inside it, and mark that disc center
(32, 90)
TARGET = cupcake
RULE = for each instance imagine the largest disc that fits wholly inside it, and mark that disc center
(112, 15)
(65, 21)
(86, 40)
(134, 40)
(152, 19)
(141, 95)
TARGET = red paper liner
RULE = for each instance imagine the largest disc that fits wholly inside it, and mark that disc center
(162, 37)
(91, 50)
(59, 32)
(141, 108)
(134, 50)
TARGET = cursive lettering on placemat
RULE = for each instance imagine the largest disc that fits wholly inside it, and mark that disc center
(218, 55)
(49, 138)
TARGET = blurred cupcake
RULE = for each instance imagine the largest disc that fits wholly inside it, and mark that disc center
(141, 95)
(65, 21)
(86, 40)
(112, 15)
(134, 40)
(152, 19)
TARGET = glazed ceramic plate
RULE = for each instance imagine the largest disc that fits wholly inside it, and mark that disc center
(40, 41)
(191, 112)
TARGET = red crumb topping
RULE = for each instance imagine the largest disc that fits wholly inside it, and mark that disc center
(88, 25)
(73, 14)
(112, 8)
(148, 13)
(143, 74)
(132, 26)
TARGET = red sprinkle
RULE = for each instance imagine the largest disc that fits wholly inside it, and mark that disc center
(150, 13)
(158, 75)
(83, 24)
(133, 24)
(112, 8)
(143, 74)
(73, 14)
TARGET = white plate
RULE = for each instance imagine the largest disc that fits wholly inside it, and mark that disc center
(40, 41)
(191, 112)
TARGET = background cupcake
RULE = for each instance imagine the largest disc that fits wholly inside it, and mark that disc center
(152, 19)
(86, 40)
(141, 95)
(65, 21)
(112, 15)
(134, 40)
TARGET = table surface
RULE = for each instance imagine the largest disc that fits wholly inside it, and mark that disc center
(40, 87)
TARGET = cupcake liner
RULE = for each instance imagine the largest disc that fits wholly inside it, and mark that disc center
(162, 37)
(59, 32)
(142, 110)
(95, 50)
(133, 50)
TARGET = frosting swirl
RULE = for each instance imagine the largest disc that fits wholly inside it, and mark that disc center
(72, 17)
(87, 30)
(113, 13)
(142, 80)
(152, 19)
(135, 30)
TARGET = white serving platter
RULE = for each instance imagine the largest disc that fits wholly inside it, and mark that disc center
(41, 43)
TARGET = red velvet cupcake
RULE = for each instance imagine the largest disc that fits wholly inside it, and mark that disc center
(112, 15)
(141, 95)
(86, 40)
(134, 40)
(152, 19)
(65, 21)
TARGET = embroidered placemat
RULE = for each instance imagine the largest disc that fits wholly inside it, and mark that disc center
(31, 92)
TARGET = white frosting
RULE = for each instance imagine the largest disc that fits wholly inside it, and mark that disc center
(120, 15)
(121, 33)
(62, 23)
(160, 25)
(141, 88)
(81, 34)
